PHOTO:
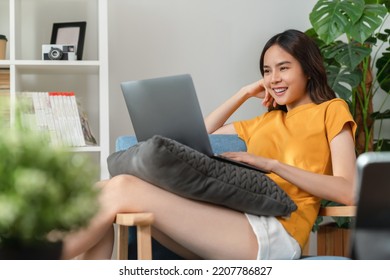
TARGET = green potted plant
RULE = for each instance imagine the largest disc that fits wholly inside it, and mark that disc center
(352, 40)
(45, 191)
(354, 43)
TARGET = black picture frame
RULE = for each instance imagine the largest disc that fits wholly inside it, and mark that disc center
(71, 33)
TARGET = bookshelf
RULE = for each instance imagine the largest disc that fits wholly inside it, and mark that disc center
(27, 24)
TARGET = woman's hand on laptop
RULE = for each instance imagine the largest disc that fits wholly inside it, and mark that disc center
(245, 157)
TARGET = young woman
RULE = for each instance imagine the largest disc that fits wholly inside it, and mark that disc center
(305, 141)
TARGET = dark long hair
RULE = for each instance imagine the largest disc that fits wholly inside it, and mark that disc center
(305, 50)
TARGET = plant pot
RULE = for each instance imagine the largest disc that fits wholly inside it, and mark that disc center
(333, 241)
(38, 250)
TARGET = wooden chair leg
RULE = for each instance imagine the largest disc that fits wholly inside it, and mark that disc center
(122, 242)
(332, 240)
(143, 222)
(144, 242)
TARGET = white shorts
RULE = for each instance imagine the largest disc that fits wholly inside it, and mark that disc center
(274, 242)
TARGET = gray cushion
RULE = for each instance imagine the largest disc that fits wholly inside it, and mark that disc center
(186, 172)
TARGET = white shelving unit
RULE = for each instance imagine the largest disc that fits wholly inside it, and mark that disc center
(27, 25)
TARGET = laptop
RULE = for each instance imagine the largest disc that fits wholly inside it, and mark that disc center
(371, 231)
(169, 107)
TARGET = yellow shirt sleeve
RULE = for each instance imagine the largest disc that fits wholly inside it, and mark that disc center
(338, 115)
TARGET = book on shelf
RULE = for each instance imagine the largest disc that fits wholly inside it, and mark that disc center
(58, 114)
(87, 132)
(4, 78)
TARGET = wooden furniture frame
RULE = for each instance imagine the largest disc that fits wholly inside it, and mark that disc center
(338, 211)
(143, 222)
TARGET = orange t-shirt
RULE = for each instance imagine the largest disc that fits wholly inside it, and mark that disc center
(301, 138)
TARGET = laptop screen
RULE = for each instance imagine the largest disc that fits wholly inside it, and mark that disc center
(169, 107)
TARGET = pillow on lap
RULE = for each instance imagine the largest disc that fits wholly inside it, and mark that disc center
(184, 171)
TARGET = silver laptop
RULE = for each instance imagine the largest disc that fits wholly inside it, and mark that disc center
(168, 106)
(371, 232)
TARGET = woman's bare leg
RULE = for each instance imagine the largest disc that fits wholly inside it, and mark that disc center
(102, 250)
(209, 231)
(172, 245)
(83, 243)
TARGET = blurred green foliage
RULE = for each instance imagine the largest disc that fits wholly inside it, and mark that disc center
(42, 187)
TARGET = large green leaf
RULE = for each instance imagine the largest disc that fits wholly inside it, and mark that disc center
(342, 81)
(370, 20)
(331, 18)
(382, 145)
(381, 116)
(383, 36)
(385, 2)
(313, 34)
(349, 55)
(383, 70)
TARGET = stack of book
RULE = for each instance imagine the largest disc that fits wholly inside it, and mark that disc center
(4, 79)
(58, 114)
(4, 95)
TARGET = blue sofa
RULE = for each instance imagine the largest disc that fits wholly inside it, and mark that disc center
(219, 144)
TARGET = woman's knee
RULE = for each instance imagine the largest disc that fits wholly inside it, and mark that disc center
(122, 184)
(127, 192)
(119, 192)
(121, 180)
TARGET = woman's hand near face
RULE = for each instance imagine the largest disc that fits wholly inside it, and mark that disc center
(258, 89)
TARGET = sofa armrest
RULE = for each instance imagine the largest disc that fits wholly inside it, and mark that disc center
(338, 211)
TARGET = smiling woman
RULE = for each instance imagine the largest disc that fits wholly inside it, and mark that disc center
(307, 148)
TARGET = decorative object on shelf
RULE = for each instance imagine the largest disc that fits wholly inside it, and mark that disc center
(59, 52)
(89, 136)
(3, 46)
(70, 33)
(45, 191)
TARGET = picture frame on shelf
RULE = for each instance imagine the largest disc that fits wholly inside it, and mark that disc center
(70, 33)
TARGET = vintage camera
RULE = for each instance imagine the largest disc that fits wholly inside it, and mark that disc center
(58, 52)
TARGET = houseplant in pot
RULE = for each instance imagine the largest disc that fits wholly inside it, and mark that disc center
(45, 191)
(355, 44)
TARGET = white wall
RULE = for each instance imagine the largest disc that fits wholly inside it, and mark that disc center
(217, 41)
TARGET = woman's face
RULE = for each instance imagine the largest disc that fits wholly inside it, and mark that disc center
(284, 78)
